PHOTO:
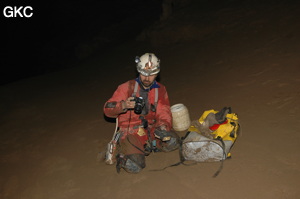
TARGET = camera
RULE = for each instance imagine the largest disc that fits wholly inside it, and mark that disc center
(139, 105)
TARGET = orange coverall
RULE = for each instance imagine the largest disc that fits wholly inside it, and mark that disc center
(129, 122)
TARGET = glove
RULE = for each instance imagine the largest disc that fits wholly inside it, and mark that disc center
(162, 134)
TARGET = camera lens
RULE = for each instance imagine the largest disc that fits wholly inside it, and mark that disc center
(138, 110)
(139, 104)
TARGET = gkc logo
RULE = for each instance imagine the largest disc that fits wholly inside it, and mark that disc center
(15, 11)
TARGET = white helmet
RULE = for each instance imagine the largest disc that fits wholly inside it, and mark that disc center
(147, 64)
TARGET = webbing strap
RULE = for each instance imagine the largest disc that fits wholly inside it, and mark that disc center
(135, 89)
(222, 161)
(156, 98)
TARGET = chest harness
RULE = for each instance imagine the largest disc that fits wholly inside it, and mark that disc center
(153, 107)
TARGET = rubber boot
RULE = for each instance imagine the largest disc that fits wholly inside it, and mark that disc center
(132, 163)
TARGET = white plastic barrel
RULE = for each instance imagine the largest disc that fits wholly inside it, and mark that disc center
(180, 117)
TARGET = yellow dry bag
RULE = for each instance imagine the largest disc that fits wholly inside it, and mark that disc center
(211, 137)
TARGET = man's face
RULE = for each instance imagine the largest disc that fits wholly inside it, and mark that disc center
(147, 80)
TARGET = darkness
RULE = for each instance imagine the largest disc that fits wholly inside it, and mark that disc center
(53, 37)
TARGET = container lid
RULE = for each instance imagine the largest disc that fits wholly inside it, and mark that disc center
(177, 107)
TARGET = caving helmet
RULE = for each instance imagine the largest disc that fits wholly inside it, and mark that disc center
(147, 64)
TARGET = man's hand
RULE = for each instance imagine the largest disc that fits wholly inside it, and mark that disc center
(128, 104)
